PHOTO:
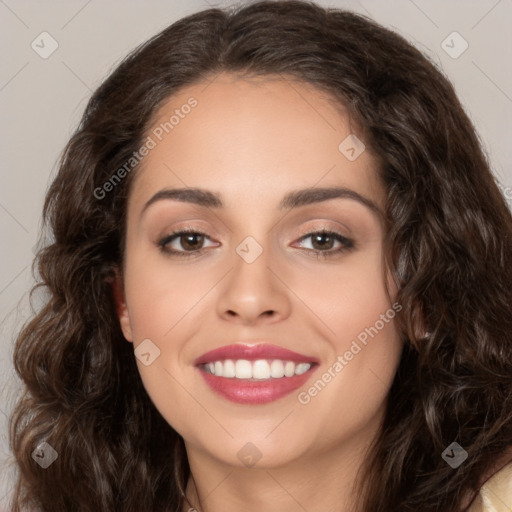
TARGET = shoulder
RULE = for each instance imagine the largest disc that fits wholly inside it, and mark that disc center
(495, 495)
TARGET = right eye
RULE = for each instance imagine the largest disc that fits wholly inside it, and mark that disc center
(187, 238)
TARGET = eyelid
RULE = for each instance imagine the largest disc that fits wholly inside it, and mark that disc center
(327, 225)
(324, 226)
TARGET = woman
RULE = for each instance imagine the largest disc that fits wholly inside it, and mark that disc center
(279, 280)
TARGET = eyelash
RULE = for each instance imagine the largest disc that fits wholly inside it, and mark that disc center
(347, 243)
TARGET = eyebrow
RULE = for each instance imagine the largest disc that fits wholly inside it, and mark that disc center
(293, 199)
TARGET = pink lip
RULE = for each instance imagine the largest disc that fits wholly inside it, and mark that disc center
(248, 391)
(252, 353)
(252, 391)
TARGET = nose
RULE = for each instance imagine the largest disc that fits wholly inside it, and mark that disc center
(254, 292)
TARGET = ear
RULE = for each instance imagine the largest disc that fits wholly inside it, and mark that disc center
(117, 285)
(420, 329)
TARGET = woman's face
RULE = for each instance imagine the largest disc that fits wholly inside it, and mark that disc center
(261, 274)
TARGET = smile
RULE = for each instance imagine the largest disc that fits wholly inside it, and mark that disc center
(255, 382)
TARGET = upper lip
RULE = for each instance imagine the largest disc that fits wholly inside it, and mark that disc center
(252, 353)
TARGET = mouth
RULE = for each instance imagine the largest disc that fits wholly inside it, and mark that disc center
(255, 374)
(258, 370)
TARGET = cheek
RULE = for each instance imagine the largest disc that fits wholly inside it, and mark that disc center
(346, 296)
(350, 308)
(160, 292)
(357, 319)
(161, 300)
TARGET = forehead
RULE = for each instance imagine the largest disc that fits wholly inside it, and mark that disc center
(248, 137)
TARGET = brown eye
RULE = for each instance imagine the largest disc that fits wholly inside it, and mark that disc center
(186, 242)
(190, 241)
(323, 241)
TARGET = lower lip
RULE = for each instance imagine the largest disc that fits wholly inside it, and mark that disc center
(243, 391)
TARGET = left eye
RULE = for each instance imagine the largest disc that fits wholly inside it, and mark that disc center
(322, 241)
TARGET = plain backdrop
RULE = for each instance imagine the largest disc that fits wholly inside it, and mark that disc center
(42, 99)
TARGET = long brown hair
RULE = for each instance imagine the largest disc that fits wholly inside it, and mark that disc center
(449, 245)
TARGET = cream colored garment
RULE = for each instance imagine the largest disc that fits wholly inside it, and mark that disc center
(496, 494)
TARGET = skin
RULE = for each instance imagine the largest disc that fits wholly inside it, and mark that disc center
(252, 141)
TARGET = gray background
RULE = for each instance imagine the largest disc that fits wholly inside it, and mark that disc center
(41, 102)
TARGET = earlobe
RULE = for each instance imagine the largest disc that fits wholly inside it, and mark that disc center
(117, 286)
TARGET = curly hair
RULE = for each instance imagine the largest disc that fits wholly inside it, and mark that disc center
(448, 244)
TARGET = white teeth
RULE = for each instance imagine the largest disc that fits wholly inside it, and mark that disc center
(243, 369)
(276, 369)
(302, 368)
(228, 369)
(289, 369)
(261, 369)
